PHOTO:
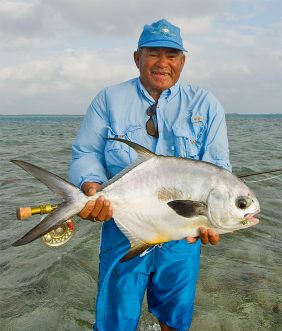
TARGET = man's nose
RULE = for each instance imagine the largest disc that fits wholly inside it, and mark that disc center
(162, 61)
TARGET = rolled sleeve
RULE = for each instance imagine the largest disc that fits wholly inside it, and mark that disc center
(88, 162)
(216, 148)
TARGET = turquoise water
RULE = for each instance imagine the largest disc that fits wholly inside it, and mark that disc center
(240, 283)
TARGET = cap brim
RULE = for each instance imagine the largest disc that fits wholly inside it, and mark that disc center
(163, 43)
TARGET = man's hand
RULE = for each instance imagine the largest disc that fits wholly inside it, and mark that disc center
(98, 210)
(206, 235)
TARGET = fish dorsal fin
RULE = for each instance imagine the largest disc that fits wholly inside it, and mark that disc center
(143, 153)
(188, 208)
(137, 246)
(140, 150)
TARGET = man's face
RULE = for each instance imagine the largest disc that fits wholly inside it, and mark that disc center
(159, 68)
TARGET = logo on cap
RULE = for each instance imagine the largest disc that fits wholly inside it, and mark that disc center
(165, 30)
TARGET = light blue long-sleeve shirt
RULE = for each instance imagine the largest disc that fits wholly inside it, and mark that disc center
(191, 123)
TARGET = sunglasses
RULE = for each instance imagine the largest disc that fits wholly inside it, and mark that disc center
(151, 127)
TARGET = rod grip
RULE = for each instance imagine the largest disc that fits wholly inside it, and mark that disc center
(23, 213)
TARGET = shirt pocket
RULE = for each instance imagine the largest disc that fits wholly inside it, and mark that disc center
(184, 143)
(189, 138)
(117, 154)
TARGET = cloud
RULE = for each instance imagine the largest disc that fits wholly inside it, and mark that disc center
(56, 55)
(20, 18)
(28, 23)
(25, 25)
(64, 75)
(107, 18)
(67, 70)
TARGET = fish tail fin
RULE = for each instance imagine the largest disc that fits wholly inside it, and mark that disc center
(74, 201)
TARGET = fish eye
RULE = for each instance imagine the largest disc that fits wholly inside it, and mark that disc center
(243, 202)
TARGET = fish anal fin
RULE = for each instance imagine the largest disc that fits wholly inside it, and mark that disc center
(137, 246)
(134, 251)
(188, 208)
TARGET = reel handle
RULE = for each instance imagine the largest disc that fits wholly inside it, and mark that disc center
(26, 212)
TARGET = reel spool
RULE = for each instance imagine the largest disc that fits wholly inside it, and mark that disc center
(56, 237)
(60, 235)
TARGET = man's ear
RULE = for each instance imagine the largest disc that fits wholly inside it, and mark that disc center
(136, 56)
(183, 61)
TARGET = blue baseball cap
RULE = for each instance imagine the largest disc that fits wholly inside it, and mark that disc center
(161, 34)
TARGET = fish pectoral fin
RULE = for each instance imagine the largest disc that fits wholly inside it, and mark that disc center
(188, 208)
(135, 250)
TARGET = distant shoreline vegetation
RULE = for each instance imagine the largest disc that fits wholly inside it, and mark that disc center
(228, 115)
(41, 115)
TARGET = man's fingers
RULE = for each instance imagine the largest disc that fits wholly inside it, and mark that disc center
(100, 209)
(204, 235)
(90, 188)
(192, 240)
(102, 215)
(86, 211)
(208, 236)
(213, 237)
(110, 214)
(99, 203)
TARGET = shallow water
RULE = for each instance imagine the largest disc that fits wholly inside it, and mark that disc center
(240, 284)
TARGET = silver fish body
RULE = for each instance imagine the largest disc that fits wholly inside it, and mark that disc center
(158, 199)
(166, 198)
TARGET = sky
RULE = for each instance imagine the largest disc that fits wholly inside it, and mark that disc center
(56, 55)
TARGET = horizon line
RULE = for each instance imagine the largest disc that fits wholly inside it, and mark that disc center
(84, 114)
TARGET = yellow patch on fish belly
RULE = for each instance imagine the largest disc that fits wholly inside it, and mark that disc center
(159, 239)
(170, 193)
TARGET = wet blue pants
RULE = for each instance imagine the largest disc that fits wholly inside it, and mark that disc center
(169, 274)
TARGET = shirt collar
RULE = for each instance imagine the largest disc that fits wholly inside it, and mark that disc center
(167, 94)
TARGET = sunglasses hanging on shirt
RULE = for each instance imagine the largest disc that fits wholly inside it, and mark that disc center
(151, 124)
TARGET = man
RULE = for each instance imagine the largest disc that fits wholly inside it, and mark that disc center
(169, 118)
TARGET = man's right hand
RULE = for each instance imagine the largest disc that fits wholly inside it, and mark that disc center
(98, 210)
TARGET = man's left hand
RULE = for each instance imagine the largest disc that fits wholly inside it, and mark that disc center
(206, 235)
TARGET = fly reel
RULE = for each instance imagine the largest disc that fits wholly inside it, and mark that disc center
(56, 237)
(60, 235)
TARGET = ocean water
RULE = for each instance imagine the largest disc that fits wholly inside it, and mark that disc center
(43, 288)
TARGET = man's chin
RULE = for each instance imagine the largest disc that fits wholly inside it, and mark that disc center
(161, 84)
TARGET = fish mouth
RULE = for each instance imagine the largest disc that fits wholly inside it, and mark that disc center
(251, 218)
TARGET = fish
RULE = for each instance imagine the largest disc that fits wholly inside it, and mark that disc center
(156, 199)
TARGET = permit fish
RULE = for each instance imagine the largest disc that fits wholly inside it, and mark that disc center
(157, 199)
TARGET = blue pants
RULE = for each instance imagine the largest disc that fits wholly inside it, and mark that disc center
(169, 274)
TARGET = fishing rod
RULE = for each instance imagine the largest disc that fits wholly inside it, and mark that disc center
(259, 173)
